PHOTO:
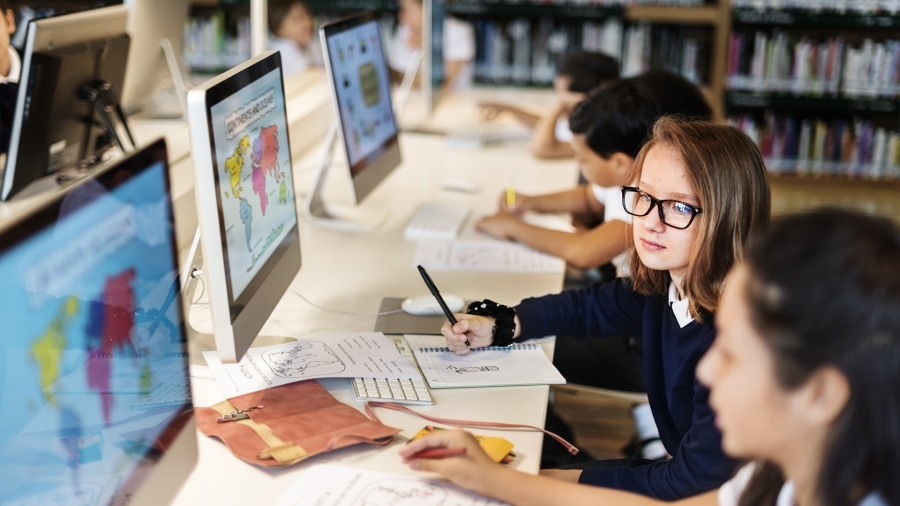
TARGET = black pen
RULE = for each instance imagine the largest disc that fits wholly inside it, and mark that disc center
(437, 295)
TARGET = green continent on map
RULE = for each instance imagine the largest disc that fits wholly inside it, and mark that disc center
(269, 241)
(47, 350)
(282, 193)
(234, 165)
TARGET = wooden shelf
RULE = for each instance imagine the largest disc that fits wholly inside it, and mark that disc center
(674, 15)
(792, 193)
(796, 18)
(826, 106)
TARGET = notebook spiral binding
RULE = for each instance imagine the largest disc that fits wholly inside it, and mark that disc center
(486, 348)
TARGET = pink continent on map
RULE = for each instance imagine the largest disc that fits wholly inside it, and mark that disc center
(264, 161)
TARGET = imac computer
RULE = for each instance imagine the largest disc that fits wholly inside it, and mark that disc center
(245, 198)
(364, 117)
(67, 111)
(155, 86)
(94, 382)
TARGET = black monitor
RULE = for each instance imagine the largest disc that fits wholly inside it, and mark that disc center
(94, 376)
(56, 125)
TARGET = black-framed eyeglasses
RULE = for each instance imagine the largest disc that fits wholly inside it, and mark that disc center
(673, 213)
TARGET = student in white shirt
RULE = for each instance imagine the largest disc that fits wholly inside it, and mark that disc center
(459, 45)
(804, 376)
(578, 74)
(291, 22)
(10, 69)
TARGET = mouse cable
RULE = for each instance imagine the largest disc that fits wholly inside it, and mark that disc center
(313, 304)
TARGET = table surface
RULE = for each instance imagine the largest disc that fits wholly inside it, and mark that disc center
(353, 271)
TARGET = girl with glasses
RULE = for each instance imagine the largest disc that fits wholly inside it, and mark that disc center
(803, 375)
(708, 186)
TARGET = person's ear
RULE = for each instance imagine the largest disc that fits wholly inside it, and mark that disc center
(824, 396)
(621, 163)
(10, 21)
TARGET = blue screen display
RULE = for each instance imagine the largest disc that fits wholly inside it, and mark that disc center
(91, 333)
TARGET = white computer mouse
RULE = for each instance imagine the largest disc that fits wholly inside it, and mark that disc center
(459, 185)
(427, 305)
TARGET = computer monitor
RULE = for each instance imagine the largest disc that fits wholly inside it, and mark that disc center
(154, 83)
(93, 329)
(245, 198)
(364, 115)
(55, 125)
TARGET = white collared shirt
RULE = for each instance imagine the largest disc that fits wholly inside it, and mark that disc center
(15, 68)
(679, 307)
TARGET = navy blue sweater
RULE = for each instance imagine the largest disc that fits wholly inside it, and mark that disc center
(679, 402)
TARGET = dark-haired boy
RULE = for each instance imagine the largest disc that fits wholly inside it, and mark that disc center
(608, 128)
(10, 69)
(291, 21)
(578, 74)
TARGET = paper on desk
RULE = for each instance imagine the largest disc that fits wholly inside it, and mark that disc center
(366, 354)
(330, 485)
(485, 256)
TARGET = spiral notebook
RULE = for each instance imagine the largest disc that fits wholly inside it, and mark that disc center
(519, 364)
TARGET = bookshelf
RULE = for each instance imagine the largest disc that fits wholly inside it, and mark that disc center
(816, 84)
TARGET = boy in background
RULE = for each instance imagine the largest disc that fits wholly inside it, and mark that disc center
(578, 74)
(458, 44)
(608, 129)
(291, 21)
(10, 69)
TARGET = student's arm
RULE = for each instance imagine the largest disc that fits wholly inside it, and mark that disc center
(475, 471)
(699, 465)
(583, 249)
(490, 110)
(543, 140)
(598, 310)
(578, 200)
(452, 70)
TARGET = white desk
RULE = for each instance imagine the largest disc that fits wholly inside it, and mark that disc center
(353, 272)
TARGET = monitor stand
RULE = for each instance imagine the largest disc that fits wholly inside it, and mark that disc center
(335, 217)
(197, 341)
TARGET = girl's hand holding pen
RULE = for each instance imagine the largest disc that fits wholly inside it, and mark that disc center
(478, 330)
(470, 466)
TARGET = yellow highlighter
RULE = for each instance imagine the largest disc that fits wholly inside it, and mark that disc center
(510, 195)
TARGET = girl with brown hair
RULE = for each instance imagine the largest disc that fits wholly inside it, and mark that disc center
(803, 374)
(699, 189)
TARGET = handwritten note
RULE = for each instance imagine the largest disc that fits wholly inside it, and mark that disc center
(368, 354)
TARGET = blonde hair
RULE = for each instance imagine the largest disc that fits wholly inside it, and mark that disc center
(727, 172)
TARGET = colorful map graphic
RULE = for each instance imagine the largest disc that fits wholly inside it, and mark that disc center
(47, 350)
(265, 170)
(234, 165)
(107, 331)
(265, 163)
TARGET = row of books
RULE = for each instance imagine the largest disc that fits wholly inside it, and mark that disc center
(789, 63)
(839, 147)
(210, 47)
(525, 51)
(841, 6)
(464, 5)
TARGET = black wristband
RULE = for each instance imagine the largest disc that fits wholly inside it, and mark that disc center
(504, 319)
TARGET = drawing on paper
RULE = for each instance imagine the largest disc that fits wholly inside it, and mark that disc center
(480, 368)
(400, 492)
(304, 358)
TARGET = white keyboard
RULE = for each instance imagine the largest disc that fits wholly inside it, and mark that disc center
(401, 391)
(435, 220)
(167, 393)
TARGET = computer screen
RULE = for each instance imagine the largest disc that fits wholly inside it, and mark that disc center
(92, 333)
(356, 65)
(153, 82)
(245, 197)
(53, 127)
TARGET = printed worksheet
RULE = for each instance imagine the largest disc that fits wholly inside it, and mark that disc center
(330, 485)
(485, 256)
(365, 354)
